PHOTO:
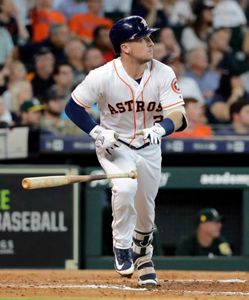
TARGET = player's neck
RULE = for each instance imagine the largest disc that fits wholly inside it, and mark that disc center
(133, 69)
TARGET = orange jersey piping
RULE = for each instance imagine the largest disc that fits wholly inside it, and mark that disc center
(133, 101)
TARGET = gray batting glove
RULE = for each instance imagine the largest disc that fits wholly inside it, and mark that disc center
(154, 134)
(105, 139)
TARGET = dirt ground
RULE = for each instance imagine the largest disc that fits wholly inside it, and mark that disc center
(95, 284)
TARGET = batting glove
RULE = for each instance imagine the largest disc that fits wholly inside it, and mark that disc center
(153, 134)
(105, 139)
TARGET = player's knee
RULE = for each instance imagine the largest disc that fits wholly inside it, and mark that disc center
(126, 190)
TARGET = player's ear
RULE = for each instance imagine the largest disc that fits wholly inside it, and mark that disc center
(125, 48)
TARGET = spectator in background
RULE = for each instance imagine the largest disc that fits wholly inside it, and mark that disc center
(69, 8)
(206, 240)
(10, 19)
(41, 79)
(57, 40)
(228, 13)
(43, 17)
(196, 34)
(30, 116)
(179, 12)
(152, 11)
(19, 92)
(5, 115)
(93, 59)
(194, 102)
(63, 79)
(167, 37)
(102, 42)
(231, 88)
(24, 7)
(197, 120)
(197, 69)
(75, 51)
(51, 119)
(221, 58)
(31, 113)
(83, 25)
(116, 9)
(6, 48)
(239, 119)
(16, 73)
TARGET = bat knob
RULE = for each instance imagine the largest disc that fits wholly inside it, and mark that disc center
(133, 174)
(25, 183)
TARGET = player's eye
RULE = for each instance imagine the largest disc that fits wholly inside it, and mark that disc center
(147, 39)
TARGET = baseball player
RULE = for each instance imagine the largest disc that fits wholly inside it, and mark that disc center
(139, 102)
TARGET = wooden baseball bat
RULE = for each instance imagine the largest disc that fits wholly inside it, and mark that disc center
(30, 183)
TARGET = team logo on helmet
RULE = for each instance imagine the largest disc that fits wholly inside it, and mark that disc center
(175, 87)
(144, 22)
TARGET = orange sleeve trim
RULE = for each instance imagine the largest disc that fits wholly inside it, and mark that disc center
(176, 103)
(79, 102)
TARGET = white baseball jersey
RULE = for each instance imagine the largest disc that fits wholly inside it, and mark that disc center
(127, 106)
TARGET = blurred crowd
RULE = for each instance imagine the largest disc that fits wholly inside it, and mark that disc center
(47, 47)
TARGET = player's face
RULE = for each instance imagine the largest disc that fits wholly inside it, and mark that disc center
(213, 229)
(141, 49)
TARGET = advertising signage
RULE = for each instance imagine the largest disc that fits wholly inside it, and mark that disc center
(38, 228)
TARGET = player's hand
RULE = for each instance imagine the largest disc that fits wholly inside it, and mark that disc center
(153, 134)
(105, 140)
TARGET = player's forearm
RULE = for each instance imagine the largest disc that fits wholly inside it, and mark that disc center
(79, 116)
(178, 118)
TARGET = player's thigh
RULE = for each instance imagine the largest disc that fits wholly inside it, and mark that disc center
(149, 173)
(122, 160)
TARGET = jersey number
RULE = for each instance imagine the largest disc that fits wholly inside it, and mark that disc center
(158, 119)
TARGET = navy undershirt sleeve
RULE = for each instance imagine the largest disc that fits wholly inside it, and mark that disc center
(168, 125)
(79, 116)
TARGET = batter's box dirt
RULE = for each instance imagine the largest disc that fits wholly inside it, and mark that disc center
(98, 284)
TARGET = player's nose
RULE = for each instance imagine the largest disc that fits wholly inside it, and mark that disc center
(149, 41)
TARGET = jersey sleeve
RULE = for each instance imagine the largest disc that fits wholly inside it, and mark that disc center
(170, 92)
(86, 94)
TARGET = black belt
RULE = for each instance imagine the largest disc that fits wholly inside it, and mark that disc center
(132, 147)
